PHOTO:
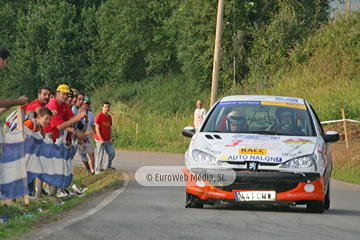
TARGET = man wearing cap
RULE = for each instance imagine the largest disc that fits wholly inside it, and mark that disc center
(64, 119)
(75, 96)
(88, 148)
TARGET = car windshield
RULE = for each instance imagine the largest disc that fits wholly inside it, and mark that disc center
(252, 117)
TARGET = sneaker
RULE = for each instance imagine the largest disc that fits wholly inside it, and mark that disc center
(47, 191)
(61, 193)
(44, 193)
(111, 168)
(89, 171)
(98, 172)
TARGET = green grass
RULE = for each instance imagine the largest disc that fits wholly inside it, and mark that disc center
(348, 171)
(19, 224)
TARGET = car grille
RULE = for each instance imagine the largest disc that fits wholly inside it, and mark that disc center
(278, 186)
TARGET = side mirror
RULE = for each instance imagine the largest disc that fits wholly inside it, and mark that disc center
(331, 136)
(188, 131)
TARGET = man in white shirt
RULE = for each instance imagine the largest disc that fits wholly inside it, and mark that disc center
(89, 129)
(199, 114)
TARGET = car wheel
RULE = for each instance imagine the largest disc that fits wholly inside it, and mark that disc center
(315, 207)
(193, 201)
(327, 198)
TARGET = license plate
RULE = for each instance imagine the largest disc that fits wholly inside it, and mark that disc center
(255, 196)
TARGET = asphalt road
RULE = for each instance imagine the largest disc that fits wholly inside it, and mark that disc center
(143, 212)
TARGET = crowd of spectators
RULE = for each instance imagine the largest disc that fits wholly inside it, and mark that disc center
(66, 117)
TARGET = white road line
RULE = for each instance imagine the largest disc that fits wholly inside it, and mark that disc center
(101, 205)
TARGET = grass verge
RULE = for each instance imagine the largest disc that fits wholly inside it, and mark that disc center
(348, 171)
(22, 218)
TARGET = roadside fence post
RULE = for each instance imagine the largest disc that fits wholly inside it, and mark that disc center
(345, 133)
(137, 130)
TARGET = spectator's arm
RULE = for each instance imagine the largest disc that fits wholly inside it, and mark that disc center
(71, 121)
(6, 103)
(2, 110)
(93, 129)
(97, 127)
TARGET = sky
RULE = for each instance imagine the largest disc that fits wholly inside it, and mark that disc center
(355, 4)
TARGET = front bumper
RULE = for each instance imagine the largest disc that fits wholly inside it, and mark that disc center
(289, 187)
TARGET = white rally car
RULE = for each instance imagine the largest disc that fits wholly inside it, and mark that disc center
(275, 147)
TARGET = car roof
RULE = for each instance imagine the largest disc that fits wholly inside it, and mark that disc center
(262, 98)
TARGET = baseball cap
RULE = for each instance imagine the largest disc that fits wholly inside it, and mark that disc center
(75, 92)
(87, 101)
(63, 88)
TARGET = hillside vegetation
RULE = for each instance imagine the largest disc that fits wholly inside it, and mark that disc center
(324, 70)
(152, 59)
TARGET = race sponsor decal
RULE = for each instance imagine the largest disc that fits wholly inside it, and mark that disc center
(238, 103)
(298, 141)
(284, 104)
(302, 194)
(260, 137)
(322, 156)
(212, 151)
(289, 154)
(263, 118)
(234, 143)
(250, 158)
(253, 151)
(287, 99)
(269, 145)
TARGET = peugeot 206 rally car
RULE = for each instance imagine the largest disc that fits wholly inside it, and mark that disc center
(274, 145)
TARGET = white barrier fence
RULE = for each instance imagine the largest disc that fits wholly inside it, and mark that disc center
(341, 120)
(344, 123)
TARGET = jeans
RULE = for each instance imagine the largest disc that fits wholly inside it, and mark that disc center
(109, 149)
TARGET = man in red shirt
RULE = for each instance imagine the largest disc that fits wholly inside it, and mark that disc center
(103, 138)
(64, 119)
(43, 99)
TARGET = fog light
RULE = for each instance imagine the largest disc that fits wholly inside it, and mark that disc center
(309, 187)
(200, 183)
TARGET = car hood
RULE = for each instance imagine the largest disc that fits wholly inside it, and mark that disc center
(253, 147)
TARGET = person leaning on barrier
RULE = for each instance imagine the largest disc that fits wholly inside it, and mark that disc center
(5, 104)
(65, 118)
(43, 98)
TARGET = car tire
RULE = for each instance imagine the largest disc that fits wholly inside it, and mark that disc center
(193, 201)
(327, 198)
(315, 207)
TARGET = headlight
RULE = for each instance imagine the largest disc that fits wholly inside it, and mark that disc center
(205, 158)
(302, 162)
